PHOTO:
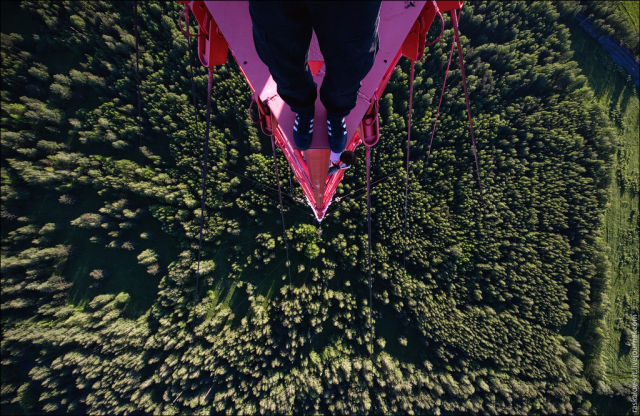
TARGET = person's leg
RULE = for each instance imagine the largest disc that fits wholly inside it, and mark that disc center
(347, 34)
(282, 33)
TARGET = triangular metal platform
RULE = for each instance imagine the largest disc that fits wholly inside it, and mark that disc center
(397, 20)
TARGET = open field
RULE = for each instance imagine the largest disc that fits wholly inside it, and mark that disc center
(631, 9)
(615, 92)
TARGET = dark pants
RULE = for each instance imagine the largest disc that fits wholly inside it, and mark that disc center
(348, 38)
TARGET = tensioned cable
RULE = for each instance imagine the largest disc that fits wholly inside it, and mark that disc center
(454, 19)
(406, 179)
(204, 166)
(435, 122)
(257, 182)
(369, 245)
(284, 231)
(135, 27)
(349, 195)
(204, 159)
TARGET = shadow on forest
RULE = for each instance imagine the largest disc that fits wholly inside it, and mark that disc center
(122, 273)
(601, 71)
(267, 279)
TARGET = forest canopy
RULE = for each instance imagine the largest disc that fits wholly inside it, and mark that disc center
(496, 305)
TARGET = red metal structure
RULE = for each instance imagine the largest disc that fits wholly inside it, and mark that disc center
(226, 25)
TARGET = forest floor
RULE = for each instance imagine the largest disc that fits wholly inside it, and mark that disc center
(615, 91)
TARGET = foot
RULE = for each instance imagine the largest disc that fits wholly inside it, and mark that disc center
(303, 131)
(337, 128)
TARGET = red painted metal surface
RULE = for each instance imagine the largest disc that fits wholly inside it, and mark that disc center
(402, 31)
(315, 66)
(212, 46)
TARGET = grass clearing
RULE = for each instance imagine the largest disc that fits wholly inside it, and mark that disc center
(615, 91)
(631, 9)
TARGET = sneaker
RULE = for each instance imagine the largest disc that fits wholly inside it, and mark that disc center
(337, 128)
(303, 131)
(333, 168)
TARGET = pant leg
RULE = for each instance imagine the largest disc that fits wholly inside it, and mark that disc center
(282, 33)
(347, 34)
